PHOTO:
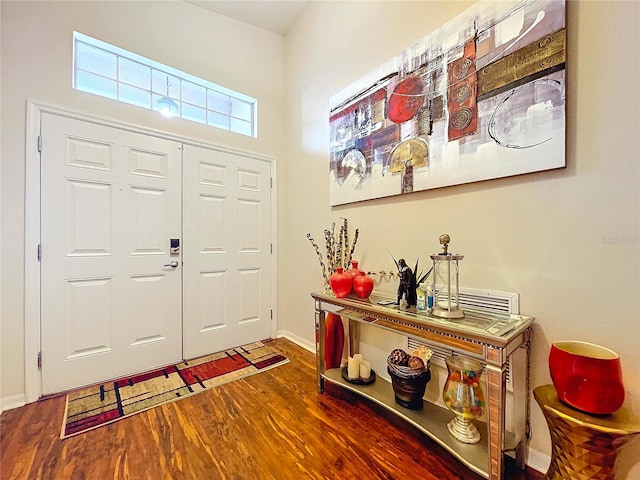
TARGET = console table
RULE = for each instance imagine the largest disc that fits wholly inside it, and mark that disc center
(497, 340)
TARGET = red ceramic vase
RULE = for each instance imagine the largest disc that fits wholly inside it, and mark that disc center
(333, 340)
(587, 377)
(363, 286)
(354, 271)
(341, 283)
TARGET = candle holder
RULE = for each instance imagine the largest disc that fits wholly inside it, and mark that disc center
(463, 395)
(446, 273)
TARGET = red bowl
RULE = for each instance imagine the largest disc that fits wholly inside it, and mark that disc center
(587, 377)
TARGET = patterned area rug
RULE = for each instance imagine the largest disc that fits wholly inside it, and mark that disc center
(99, 405)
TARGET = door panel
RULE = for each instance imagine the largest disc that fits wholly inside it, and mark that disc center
(227, 257)
(111, 200)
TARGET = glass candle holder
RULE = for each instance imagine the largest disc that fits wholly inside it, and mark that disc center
(446, 273)
(464, 397)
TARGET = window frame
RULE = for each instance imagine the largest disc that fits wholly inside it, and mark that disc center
(212, 113)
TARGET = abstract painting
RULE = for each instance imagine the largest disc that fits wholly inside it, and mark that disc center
(482, 97)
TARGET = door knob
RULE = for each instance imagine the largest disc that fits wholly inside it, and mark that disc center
(173, 264)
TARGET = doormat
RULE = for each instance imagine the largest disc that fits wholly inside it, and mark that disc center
(99, 405)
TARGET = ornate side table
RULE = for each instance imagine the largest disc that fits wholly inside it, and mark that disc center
(583, 446)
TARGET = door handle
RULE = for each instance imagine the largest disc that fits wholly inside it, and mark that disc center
(173, 264)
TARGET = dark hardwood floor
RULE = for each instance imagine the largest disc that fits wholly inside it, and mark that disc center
(273, 425)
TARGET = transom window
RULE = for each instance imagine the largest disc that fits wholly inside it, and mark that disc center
(112, 72)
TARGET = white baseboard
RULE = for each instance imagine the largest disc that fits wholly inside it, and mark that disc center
(538, 461)
(12, 401)
(307, 345)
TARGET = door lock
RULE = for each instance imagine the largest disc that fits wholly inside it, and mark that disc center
(174, 246)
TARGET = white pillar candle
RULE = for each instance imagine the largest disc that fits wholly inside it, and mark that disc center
(358, 357)
(353, 368)
(365, 369)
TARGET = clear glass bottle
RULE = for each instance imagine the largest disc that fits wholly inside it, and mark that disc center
(421, 294)
(429, 294)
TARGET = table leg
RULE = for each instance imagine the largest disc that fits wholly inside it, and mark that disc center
(354, 338)
(519, 365)
(320, 339)
(496, 401)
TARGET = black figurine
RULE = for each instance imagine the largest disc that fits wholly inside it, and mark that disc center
(407, 286)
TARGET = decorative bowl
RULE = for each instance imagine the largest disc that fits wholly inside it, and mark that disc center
(586, 376)
(408, 384)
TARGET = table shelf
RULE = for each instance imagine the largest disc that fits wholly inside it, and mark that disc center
(494, 339)
(431, 420)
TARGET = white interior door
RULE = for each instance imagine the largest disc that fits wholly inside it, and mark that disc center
(111, 202)
(227, 250)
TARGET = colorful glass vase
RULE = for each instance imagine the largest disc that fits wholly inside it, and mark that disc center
(464, 397)
(341, 283)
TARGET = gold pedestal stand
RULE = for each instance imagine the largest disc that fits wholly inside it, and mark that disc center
(583, 446)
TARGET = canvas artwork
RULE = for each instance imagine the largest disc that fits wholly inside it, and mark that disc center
(482, 97)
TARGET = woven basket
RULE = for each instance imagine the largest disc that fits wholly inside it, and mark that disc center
(406, 372)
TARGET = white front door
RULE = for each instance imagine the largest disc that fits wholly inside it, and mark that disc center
(111, 202)
(227, 250)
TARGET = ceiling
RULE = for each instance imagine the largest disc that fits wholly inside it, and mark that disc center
(277, 16)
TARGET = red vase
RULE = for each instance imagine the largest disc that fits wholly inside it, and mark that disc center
(333, 340)
(363, 286)
(341, 283)
(587, 376)
(354, 271)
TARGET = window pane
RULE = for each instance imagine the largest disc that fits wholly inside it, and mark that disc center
(159, 84)
(241, 109)
(158, 106)
(196, 114)
(96, 85)
(218, 120)
(193, 93)
(135, 96)
(109, 71)
(96, 60)
(218, 102)
(240, 126)
(134, 73)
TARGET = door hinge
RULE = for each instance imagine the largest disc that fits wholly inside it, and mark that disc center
(271, 182)
(271, 245)
(40, 143)
(39, 360)
(39, 251)
(271, 314)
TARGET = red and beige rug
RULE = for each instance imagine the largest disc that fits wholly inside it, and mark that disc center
(99, 405)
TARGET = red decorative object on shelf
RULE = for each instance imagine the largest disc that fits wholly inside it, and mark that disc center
(587, 377)
(341, 283)
(333, 340)
(363, 285)
(354, 271)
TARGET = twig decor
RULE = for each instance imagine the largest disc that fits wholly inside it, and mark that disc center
(338, 251)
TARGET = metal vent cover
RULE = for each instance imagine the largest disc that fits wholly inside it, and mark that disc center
(492, 301)
(486, 300)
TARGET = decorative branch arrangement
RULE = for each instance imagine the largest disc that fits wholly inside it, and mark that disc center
(338, 251)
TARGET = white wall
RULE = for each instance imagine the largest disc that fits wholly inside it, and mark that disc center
(566, 240)
(37, 65)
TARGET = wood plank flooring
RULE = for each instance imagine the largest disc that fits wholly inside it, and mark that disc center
(271, 426)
